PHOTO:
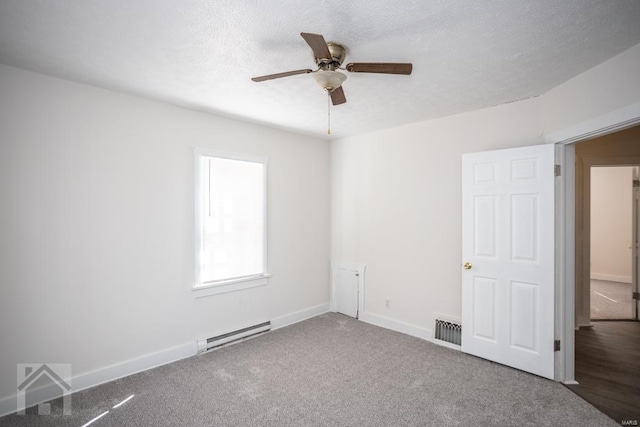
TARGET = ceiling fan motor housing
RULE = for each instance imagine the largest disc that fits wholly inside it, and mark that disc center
(338, 54)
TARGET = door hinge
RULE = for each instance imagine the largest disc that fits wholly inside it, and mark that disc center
(556, 170)
(556, 345)
(635, 295)
(636, 183)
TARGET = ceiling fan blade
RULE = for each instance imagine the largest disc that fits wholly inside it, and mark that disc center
(380, 67)
(337, 96)
(278, 75)
(317, 44)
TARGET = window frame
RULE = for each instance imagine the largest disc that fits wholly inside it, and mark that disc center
(199, 288)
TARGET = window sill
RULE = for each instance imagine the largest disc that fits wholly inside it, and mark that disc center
(233, 285)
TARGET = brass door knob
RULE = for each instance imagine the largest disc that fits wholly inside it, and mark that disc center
(467, 266)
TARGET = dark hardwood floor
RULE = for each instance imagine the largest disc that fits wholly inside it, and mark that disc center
(608, 368)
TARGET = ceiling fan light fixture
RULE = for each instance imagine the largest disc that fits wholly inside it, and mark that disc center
(329, 80)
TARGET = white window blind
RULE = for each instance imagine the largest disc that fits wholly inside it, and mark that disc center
(232, 232)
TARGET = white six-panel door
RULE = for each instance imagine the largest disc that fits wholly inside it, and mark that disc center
(508, 248)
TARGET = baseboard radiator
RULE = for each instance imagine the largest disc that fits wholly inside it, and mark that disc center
(448, 331)
(211, 343)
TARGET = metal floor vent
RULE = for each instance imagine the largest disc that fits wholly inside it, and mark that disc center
(207, 344)
(448, 331)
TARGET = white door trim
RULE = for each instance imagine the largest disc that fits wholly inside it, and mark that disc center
(565, 264)
(565, 215)
(635, 217)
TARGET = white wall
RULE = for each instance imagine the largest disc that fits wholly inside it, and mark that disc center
(97, 231)
(611, 227)
(608, 87)
(397, 206)
(396, 193)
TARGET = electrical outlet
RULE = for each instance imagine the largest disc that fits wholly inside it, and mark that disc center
(388, 303)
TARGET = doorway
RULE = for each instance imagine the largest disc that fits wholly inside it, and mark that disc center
(603, 356)
(612, 254)
(611, 160)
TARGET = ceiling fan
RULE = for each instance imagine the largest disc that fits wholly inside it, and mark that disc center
(329, 58)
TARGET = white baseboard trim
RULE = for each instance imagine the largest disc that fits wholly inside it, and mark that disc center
(571, 382)
(86, 380)
(397, 325)
(611, 278)
(133, 366)
(299, 316)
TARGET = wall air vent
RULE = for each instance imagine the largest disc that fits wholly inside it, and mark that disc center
(447, 331)
(211, 343)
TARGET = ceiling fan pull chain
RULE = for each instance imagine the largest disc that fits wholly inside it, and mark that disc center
(328, 113)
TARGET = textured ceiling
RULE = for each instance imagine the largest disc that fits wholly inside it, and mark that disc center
(201, 54)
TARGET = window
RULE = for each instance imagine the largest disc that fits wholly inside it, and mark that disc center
(231, 244)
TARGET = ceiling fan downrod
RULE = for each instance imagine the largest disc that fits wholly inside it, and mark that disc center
(328, 113)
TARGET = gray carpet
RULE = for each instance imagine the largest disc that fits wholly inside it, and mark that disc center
(610, 300)
(330, 370)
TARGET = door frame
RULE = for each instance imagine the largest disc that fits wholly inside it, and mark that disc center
(635, 226)
(565, 140)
